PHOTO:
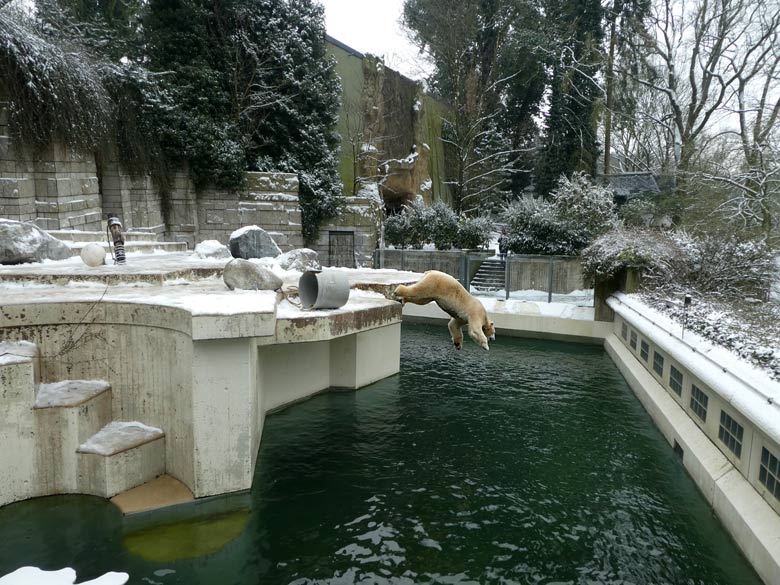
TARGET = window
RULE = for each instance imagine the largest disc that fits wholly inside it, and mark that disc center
(644, 350)
(624, 331)
(730, 433)
(699, 402)
(633, 340)
(675, 380)
(658, 363)
(769, 472)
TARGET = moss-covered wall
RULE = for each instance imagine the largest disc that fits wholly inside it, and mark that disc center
(385, 116)
(349, 67)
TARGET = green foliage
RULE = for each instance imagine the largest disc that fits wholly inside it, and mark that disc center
(253, 89)
(55, 91)
(444, 226)
(571, 142)
(490, 67)
(419, 224)
(473, 232)
(576, 212)
(220, 88)
(638, 212)
(397, 230)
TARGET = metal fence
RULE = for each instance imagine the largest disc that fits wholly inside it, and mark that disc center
(539, 278)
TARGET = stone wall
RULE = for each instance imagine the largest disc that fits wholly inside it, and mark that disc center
(55, 187)
(358, 219)
(134, 197)
(269, 200)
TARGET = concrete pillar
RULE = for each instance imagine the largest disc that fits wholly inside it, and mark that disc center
(225, 403)
(363, 358)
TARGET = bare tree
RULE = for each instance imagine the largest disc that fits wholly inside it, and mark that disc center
(696, 54)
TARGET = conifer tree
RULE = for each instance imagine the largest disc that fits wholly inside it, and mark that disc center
(570, 142)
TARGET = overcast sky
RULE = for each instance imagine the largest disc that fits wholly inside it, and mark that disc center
(372, 26)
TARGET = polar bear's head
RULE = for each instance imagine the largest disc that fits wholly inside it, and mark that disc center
(489, 330)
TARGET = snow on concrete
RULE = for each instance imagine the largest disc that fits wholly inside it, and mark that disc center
(746, 387)
(118, 436)
(523, 307)
(581, 298)
(358, 300)
(68, 392)
(67, 576)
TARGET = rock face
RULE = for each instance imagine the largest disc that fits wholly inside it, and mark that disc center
(252, 242)
(245, 275)
(300, 259)
(211, 249)
(24, 242)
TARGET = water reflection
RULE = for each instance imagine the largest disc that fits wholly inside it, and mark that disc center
(532, 463)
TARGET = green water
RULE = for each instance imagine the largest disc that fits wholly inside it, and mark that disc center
(533, 463)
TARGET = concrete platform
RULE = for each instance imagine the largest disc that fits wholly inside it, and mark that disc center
(526, 319)
(184, 354)
(159, 493)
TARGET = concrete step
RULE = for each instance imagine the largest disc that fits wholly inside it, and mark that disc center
(18, 375)
(93, 236)
(67, 413)
(146, 247)
(24, 354)
(491, 276)
(120, 456)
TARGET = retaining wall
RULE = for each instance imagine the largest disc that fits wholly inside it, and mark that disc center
(722, 418)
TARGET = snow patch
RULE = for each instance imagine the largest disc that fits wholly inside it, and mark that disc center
(68, 392)
(118, 436)
(67, 576)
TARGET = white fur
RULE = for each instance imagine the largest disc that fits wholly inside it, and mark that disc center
(456, 301)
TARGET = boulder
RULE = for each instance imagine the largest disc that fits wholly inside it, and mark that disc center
(25, 242)
(211, 249)
(252, 242)
(300, 259)
(245, 275)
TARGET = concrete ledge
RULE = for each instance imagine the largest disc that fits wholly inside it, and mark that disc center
(749, 519)
(525, 319)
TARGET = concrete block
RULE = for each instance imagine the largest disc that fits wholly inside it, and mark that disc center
(109, 475)
(60, 430)
(19, 477)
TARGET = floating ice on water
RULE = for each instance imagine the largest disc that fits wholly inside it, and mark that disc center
(67, 576)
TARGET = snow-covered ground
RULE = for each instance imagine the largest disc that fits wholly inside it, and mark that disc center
(579, 298)
(749, 329)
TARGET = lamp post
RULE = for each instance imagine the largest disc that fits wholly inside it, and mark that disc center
(686, 304)
(116, 241)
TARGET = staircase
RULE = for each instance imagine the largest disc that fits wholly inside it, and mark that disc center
(145, 242)
(490, 277)
(60, 437)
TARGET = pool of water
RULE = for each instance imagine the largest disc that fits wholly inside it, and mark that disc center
(533, 463)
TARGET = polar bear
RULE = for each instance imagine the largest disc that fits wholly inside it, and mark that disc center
(454, 300)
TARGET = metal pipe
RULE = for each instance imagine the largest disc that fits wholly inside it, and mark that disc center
(115, 239)
(550, 281)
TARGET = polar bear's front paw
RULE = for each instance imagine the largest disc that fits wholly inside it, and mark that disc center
(457, 344)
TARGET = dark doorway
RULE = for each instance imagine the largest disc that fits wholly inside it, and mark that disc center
(341, 249)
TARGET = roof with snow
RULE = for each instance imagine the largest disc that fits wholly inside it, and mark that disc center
(627, 186)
